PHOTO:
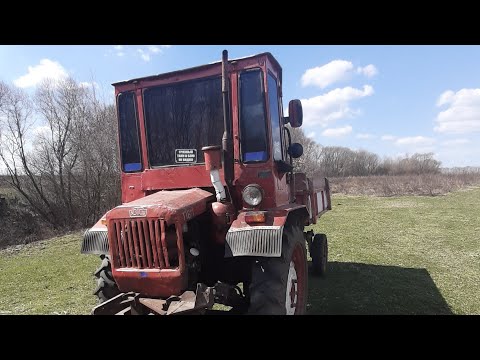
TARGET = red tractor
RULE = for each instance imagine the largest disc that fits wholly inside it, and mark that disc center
(212, 211)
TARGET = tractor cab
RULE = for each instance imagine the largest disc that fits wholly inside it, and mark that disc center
(166, 120)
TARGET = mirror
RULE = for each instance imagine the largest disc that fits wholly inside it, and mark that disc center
(295, 150)
(295, 113)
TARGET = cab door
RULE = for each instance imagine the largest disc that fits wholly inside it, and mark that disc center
(278, 144)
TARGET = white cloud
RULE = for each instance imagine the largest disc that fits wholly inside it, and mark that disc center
(45, 69)
(455, 142)
(445, 98)
(154, 49)
(145, 52)
(327, 108)
(119, 50)
(365, 136)
(43, 130)
(87, 84)
(311, 134)
(462, 114)
(369, 70)
(322, 76)
(388, 137)
(337, 132)
(334, 71)
(415, 141)
(144, 55)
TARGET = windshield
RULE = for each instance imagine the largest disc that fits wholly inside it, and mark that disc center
(182, 118)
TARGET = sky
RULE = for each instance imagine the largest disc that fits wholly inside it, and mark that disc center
(392, 100)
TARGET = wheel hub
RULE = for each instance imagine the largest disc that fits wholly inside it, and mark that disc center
(292, 290)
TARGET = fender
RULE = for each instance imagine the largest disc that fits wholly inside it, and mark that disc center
(261, 239)
(95, 239)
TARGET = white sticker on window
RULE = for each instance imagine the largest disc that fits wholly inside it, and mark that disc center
(185, 156)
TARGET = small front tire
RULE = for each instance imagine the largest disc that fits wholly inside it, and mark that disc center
(106, 286)
(319, 254)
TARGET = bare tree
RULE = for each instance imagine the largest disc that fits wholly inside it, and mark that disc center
(67, 169)
(97, 174)
(63, 106)
(309, 162)
(16, 122)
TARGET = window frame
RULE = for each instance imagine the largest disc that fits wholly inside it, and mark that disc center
(239, 101)
(280, 123)
(137, 124)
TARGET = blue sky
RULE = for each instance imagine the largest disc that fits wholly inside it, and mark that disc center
(391, 100)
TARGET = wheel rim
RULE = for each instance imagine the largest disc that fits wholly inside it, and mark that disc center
(292, 290)
(295, 292)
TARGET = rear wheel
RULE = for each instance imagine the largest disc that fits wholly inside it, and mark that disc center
(279, 285)
(319, 254)
(106, 286)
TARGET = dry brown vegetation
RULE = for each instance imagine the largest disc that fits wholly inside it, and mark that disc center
(396, 185)
(59, 151)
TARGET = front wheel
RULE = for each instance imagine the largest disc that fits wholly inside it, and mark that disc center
(279, 285)
(106, 286)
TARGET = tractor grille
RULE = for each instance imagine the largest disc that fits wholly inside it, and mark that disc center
(144, 244)
(265, 241)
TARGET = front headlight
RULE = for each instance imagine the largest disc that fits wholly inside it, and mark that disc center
(252, 194)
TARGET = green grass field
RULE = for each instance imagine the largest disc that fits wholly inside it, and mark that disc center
(399, 255)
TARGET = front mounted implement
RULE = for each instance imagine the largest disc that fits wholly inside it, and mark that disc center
(189, 302)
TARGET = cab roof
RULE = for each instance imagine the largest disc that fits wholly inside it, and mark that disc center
(198, 68)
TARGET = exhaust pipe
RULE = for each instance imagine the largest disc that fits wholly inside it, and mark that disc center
(213, 163)
(227, 136)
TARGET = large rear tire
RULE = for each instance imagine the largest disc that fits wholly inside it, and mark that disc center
(106, 286)
(279, 286)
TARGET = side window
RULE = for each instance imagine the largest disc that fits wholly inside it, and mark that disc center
(128, 129)
(274, 118)
(252, 117)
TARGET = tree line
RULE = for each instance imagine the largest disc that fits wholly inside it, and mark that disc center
(337, 161)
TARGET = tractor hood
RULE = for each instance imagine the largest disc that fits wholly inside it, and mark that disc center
(173, 206)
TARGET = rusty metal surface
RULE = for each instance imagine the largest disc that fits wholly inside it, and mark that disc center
(156, 305)
(160, 275)
(188, 302)
(114, 305)
(146, 240)
(126, 311)
(172, 205)
(314, 194)
(193, 72)
(184, 303)
(138, 232)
